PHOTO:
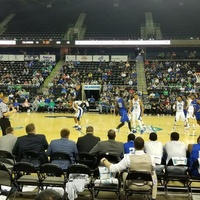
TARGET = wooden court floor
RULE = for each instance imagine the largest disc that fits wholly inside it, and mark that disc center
(50, 124)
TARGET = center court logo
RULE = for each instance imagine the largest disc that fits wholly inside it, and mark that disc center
(149, 129)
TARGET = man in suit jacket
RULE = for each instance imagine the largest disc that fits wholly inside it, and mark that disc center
(63, 145)
(31, 142)
(88, 141)
(109, 146)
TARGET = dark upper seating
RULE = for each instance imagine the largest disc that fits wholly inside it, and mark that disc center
(104, 19)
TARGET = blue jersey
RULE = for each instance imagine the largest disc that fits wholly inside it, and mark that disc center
(122, 110)
(121, 104)
(197, 112)
(194, 103)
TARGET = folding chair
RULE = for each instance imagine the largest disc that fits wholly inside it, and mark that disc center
(61, 159)
(26, 174)
(138, 182)
(52, 176)
(7, 159)
(177, 170)
(79, 176)
(88, 160)
(194, 176)
(106, 181)
(6, 179)
(31, 157)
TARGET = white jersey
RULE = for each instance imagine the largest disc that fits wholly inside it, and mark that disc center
(179, 106)
(191, 107)
(136, 106)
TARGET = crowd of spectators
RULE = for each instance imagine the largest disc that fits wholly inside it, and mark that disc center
(28, 73)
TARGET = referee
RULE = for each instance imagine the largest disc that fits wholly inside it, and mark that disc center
(4, 114)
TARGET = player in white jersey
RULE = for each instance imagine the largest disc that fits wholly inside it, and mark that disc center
(77, 116)
(136, 109)
(190, 110)
(180, 115)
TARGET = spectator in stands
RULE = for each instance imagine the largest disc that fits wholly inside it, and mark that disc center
(154, 108)
(26, 106)
(129, 145)
(35, 105)
(139, 161)
(174, 148)
(63, 145)
(16, 105)
(194, 151)
(88, 141)
(8, 141)
(51, 106)
(153, 147)
(31, 142)
(42, 105)
(109, 146)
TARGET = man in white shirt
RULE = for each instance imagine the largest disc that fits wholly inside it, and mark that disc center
(140, 161)
(174, 148)
(8, 141)
(153, 147)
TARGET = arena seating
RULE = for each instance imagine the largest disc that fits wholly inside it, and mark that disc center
(118, 21)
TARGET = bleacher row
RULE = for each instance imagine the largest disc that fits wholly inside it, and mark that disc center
(92, 175)
(86, 67)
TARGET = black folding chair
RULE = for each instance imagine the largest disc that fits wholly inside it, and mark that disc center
(7, 158)
(6, 179)
(26, 174)
(88, 160)
(194, 178)
(179, 173)
(52, 175)
(61, 159)
(31, 157)
(109, 185)
(80, 171)
(138, 182)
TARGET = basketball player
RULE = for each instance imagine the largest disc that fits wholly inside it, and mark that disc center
(190, 111)
(197, 111)
(136, 109)
(123, 112)
(179, 107)
(77, 116)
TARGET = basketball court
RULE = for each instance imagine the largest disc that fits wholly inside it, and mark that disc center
(50, 124)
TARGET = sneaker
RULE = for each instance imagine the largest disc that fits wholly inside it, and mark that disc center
(78, 128)
(142, 131)
(116, 130)
(134, 131)
(75, 126)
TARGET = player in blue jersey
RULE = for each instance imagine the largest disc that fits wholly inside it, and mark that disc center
(197, 111)
(123, 112)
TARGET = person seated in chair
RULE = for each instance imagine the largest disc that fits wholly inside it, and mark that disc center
(109, 146)
(31, 142)
(129, 145)
(63, 145)
(194, 155)
(174, 148)
(140, 161)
